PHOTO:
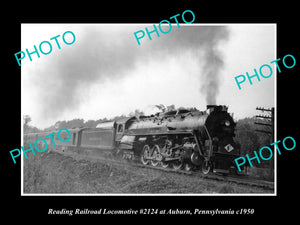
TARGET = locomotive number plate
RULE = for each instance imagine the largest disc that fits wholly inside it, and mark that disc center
(229, 148)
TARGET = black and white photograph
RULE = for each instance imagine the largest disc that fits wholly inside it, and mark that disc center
(146, 109)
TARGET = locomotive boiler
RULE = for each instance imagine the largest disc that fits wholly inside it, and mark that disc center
(182, 139)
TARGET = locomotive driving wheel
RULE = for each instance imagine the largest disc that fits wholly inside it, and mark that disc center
(157, 157)
(164, 154)
(177, 165)
(206, 167)
(164, 164)
(145, 154)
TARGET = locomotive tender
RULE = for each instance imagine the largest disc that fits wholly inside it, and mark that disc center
(180, 139)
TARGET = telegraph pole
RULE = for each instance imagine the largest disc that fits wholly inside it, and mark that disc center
(269, 119)
(268, 123)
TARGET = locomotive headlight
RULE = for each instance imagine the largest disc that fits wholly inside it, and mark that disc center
(227, 123)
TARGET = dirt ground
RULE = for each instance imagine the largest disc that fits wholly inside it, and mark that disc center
(56, 173)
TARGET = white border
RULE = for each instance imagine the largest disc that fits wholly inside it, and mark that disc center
(158, 194)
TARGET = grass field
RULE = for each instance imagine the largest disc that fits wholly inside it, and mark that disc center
(56, 173)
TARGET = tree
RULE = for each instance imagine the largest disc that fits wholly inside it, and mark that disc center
(26, 127)
(90, 123)
(75, 123)
(249, 139)
(26, 121)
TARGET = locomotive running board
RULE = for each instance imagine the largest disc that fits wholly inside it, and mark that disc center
(148, 132)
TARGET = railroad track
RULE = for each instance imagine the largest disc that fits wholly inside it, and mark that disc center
(238, 179)
(245, 180)
(241, 180)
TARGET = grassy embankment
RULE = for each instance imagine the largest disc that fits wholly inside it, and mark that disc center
(56, 173)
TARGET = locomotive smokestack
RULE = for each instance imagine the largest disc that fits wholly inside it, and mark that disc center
(211, 108)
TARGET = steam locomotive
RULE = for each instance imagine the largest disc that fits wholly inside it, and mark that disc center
(178, 139)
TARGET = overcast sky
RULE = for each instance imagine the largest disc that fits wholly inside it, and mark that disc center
(105, 72)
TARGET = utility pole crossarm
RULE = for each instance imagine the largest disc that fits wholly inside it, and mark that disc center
(263, 109)
(265, 117)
